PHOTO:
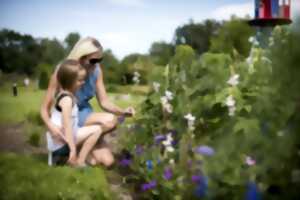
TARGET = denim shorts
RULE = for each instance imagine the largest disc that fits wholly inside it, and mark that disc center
(83, 114)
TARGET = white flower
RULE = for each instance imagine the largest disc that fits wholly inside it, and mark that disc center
(253, 40)
(169, 95)
(171, 161)
(156, 86)
(169, 108)
(189, 117)
(230, 102)
(191, 120)
(168, 140)
(234, 80)
(164, 100)
(231, 111)
(170, 149)
(136, 79)
(137, 74)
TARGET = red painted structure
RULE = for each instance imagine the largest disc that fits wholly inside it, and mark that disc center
(271, 13)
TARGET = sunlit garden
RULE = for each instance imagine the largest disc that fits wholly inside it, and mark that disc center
(217, 114)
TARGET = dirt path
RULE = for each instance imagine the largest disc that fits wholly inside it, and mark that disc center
(13, 139)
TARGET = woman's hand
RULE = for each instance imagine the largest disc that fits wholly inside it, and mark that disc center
(129, 112)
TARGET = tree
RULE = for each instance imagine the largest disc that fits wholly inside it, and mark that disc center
(233, 34)
(197, 35)
(113, 73)
(161, 52)
(71, 40)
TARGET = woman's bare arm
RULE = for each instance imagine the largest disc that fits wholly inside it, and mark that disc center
(47, 103)
(103, 99)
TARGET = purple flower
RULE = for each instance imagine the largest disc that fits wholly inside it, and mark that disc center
(168, 174)
(139, 149)
(196, 178)
(125, 162)
(148, 186)
(121, 119)
(205, 150)
(159, 138)
(250, 161)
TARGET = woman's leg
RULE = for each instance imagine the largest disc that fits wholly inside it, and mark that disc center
(102, 156)
(88, 136)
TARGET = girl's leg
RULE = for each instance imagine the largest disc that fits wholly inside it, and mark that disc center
(88, 136)
(107, 121)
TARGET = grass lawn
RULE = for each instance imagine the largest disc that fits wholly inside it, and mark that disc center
(15, 109)
(29, 177)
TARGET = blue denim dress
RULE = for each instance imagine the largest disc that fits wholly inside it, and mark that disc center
(84, 94)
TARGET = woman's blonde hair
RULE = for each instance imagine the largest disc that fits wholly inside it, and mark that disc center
(85, 47)
(67, 73)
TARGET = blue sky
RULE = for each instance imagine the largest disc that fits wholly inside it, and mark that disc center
(125, 26)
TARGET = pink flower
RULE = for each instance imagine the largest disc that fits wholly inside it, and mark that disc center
(250, 161)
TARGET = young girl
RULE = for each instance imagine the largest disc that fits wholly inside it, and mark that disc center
(64, 114)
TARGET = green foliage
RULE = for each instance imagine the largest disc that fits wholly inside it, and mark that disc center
(233, 34)
(266, 115)
(113, 72)
(197, 35)
(29, 178)
(43, 80)
(161, 52)
(34, 139)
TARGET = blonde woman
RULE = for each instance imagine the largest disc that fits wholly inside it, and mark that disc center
(88, 52)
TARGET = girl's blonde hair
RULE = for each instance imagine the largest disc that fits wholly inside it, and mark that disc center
(85, 47)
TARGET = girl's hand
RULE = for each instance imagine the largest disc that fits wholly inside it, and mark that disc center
(129, 112)
(57, 132)
(72, 158)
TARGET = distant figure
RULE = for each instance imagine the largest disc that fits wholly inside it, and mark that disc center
(26, 82)
(15, 90)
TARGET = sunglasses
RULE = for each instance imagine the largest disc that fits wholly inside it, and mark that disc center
(95, 60)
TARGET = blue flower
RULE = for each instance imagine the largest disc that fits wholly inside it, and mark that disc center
(205, 150)
(252, 192)
(148, 186)
(149, 164)
(201, 188)
(168, 174)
